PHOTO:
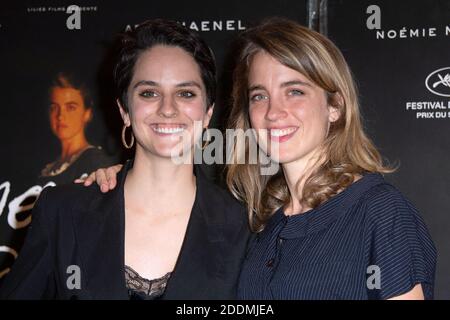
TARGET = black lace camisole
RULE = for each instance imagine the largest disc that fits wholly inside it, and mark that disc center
(140, 288)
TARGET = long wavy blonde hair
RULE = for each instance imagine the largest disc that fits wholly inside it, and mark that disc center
(347, 151)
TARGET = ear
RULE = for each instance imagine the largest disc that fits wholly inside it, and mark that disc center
(334, 114)
(334, 109)
(124, 114)
(208, 116)
(87, 115)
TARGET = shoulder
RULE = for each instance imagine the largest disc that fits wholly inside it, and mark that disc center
(379, 205)
(384, 201)
(62, 198)
(373, 198)
(72, 195)
(390, 216)
(65, 206)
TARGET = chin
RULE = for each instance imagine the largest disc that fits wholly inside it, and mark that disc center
(63, 136)
(286, 157)
(167, 152)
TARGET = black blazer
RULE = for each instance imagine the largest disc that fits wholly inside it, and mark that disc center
(75, 225)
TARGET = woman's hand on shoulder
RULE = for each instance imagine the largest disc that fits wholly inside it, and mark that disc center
(105, 178)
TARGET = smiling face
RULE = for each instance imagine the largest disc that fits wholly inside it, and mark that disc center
(292, 109)
(166, 96)
(68, 113)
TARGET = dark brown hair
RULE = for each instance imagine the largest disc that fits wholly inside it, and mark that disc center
(132, 43)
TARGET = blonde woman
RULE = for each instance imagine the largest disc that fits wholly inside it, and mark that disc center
(328, 225)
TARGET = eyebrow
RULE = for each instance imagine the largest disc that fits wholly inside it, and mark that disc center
(156, 84)
(256, 87)
(68, 102)
(283, 85)
(295, 82)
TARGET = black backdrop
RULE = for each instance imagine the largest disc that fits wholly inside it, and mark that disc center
(391, 65)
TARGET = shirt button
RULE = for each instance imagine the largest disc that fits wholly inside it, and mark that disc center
(269, 263)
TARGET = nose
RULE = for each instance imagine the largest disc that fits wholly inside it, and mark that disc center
(168, 108)
(275, 111)
(57, 113)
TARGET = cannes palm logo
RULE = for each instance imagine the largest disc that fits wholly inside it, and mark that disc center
(438, 82)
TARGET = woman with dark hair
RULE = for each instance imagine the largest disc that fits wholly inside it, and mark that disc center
(70, 112)
(165, 232)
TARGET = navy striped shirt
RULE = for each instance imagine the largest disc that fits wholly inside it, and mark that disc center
(367, 242)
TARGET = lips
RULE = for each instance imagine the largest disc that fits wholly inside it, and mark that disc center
(281, 134)
(168, 128)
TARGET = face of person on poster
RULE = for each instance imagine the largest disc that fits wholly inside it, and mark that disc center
(292, 110)
(68, 113)
(166, 98)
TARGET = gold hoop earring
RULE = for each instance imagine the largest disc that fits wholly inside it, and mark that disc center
(208, 138)
(124, 142)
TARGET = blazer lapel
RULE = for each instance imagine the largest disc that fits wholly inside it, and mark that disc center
(200, 260)
(100, 235)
